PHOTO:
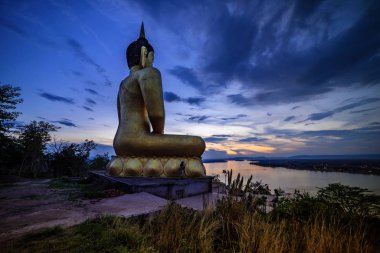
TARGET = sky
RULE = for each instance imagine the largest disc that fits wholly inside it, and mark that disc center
(253, 78)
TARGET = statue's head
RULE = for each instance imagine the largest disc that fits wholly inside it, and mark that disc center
(140, 52)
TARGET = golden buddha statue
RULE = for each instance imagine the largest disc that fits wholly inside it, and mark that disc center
(140, 144)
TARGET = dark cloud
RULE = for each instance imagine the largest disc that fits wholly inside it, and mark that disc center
(56, 98)
(364, 110)
(240, 100)
(289, 51)
(295, 107)
(90, 102)
(214, 154)
(199, 118)
(234, 118)
(91, 91)
(222, 135)
(214, 139)
(194, 100)
(187, 76)
(65, 122)
(78, 50)
(87, 108)
(253, 139)
(77, 73)
(14, 28)
(172, 97)
(290, 118)
(91, 118)
(322, 115)
(91, 83)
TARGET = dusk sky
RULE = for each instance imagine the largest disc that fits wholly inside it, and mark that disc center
(253, 78)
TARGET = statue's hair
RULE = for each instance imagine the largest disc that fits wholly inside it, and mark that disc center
(134, 51)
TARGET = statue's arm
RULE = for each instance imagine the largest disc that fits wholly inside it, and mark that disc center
(118, 102)
(151, 88)
(118, 106)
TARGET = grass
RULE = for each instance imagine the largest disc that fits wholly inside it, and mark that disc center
(234, 225)
(338, 219)
(83, 189)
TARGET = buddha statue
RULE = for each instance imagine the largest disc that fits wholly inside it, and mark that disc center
(141, 146)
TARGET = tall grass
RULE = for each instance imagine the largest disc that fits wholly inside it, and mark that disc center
(234, 227)
(236, 223)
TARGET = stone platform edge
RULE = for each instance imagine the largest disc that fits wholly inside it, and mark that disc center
(168, 188)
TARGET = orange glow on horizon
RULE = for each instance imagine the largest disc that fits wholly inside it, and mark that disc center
(242, 148)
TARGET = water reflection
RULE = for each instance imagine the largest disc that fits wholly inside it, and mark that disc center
(289, 179)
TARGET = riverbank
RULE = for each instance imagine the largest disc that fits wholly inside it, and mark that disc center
(370, 167)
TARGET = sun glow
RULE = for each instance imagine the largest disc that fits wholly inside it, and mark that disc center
(232, 148)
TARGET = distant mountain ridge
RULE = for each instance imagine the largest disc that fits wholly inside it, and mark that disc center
(299, 157)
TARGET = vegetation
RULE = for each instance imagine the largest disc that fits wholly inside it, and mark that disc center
(237, 223)
(338, 219)
(26, 150)
(85, 189)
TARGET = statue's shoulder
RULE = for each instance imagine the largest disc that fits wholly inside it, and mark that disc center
(149, 71)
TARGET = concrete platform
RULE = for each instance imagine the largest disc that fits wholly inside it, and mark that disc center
(168, 188)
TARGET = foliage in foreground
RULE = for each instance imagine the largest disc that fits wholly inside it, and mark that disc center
(24, 147)
(300, 224)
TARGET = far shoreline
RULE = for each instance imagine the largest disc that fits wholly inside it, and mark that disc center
(355, 166)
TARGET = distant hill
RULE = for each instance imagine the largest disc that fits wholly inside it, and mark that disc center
(299, 157)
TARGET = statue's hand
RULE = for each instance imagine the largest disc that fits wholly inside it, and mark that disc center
(155, 132)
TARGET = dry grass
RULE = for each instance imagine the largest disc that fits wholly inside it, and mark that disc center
(234, 225)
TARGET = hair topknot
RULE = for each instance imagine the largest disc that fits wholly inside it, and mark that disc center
(134, 49)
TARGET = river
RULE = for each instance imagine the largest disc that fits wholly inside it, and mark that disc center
(290, 179)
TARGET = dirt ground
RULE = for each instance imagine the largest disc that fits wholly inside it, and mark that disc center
(30, 205)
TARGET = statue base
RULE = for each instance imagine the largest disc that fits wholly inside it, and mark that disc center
(168, 188)
(191, 167)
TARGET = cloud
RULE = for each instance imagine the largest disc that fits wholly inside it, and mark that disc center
(187, 76)
(199, 118)
(90, 102)
(56, 98)
(236, 117)
(172, 97)
(290, 118)
(364, 110)
(194, 100)
(78, 50)
(87, 108)
(240, 99)
(290, 51)
(91, 83)
(91, 91)
(295, 107)
(253, 139)
(222, 135)
(77, 73)
(91, 118)
(322, 115)
(14, 28)
(214, 154)
(214, 139)
(65, 122)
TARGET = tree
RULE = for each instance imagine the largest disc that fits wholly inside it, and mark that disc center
(99, 162)
(33, 139)
(10, 154)
(70, 159)
(9, 98)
